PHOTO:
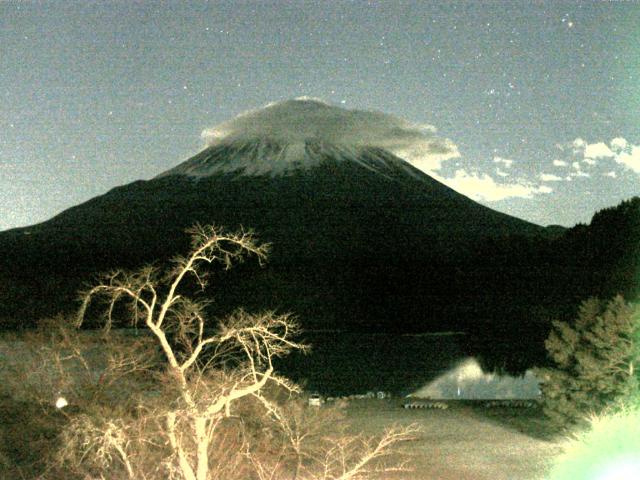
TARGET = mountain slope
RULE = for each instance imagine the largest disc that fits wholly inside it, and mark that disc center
(358, 234)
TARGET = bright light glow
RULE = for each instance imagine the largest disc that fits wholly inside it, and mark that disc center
(470, 370)
(625, 469)
(61, 402)
(467, 380)
(608, 450)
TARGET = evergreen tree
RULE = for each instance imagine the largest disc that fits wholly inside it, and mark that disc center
(596, 361)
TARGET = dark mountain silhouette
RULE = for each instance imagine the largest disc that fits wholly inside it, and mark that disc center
(361, 241)
(356, 233)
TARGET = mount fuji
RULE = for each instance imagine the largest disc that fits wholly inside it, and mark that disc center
(361, 239)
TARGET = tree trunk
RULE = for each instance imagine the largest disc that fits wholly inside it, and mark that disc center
(202, 448)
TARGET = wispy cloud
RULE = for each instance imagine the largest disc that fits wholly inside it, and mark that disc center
(597, 150)
(549, 177)
(579, 145)
(629, 157)
(504, 161)
(618, 144)
(619, 151)
(481, 186)
(577, 171)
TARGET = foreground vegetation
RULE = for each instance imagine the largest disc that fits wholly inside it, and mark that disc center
(185, 402)
(195, 401)
(593, 392)
(609, 448)
(596, 362)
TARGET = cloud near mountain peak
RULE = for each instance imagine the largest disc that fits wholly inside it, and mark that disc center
(301, 119)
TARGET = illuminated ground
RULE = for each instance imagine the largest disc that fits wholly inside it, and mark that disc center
(464, 442)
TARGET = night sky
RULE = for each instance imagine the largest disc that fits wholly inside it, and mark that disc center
(540, 99)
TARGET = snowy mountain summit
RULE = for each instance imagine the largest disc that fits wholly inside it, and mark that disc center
(264, 157)
(285, 137)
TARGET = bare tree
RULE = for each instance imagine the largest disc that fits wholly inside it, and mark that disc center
(193, 420)
(250, 341)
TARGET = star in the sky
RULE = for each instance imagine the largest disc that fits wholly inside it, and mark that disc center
(568, 22)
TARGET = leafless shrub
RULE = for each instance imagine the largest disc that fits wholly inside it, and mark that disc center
(56, 361)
